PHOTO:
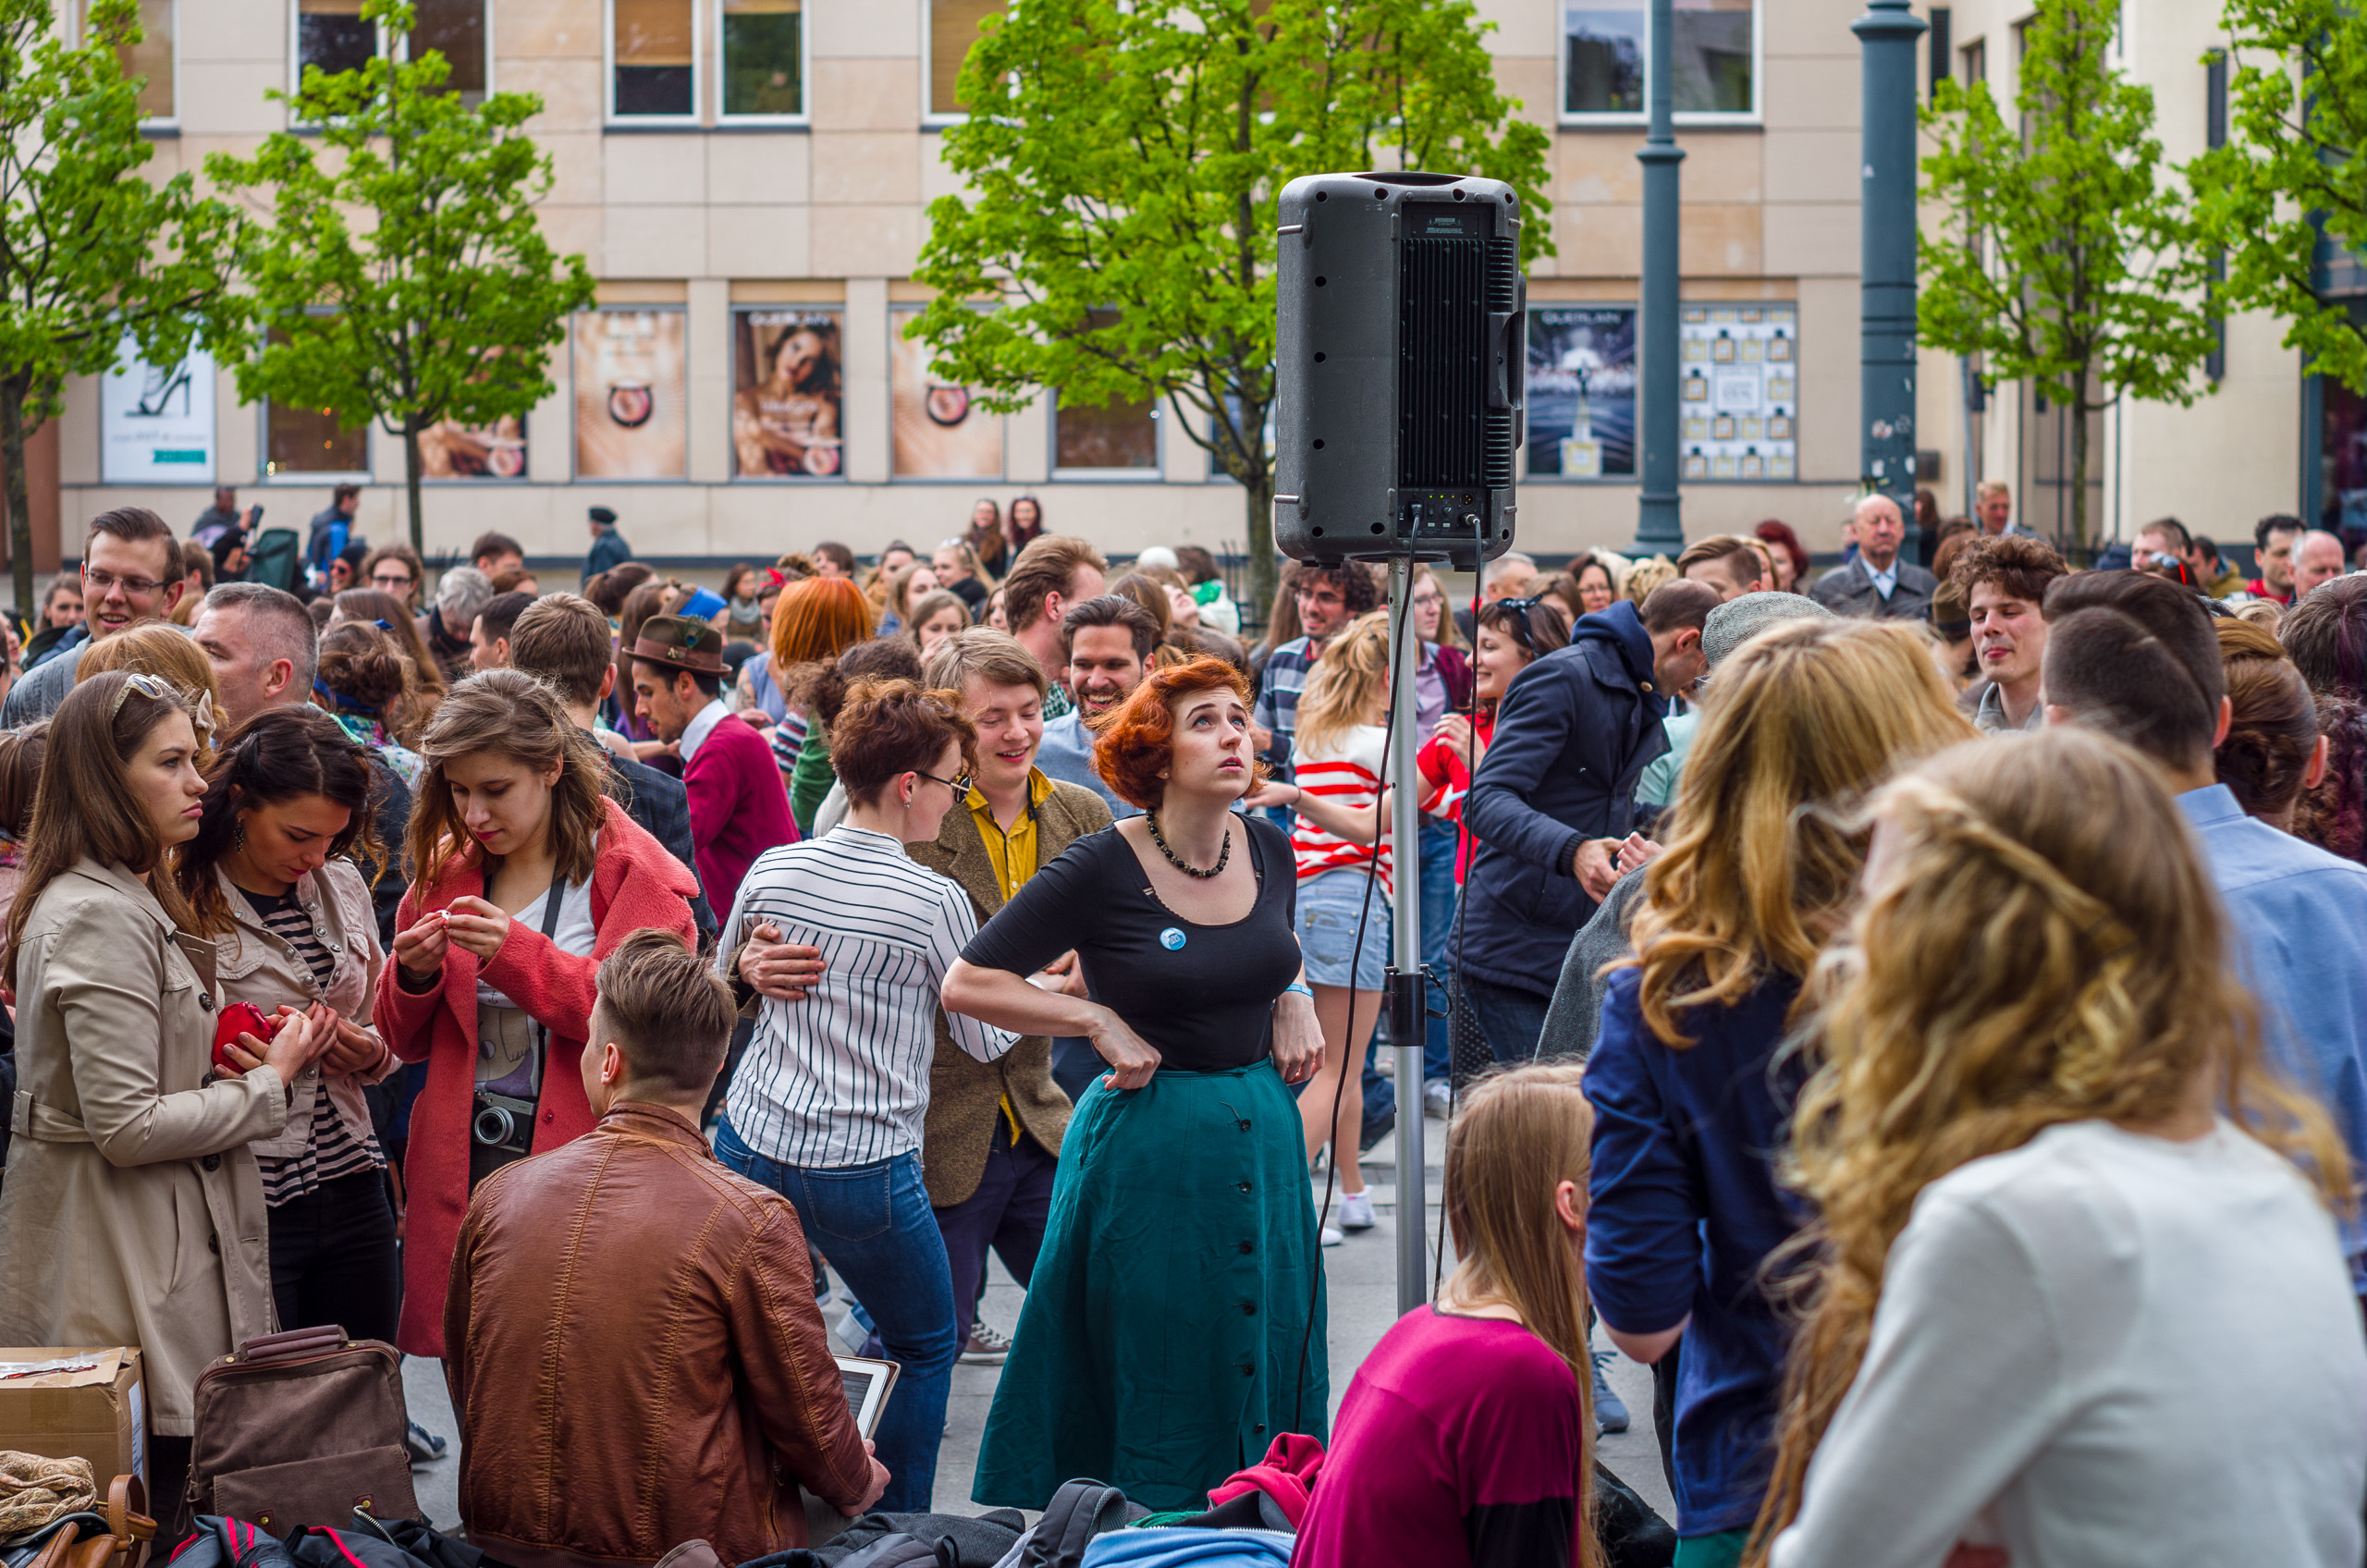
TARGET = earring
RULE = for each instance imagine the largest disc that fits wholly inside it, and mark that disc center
(239, 836)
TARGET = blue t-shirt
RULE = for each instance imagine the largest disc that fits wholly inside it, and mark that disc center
(1683, 1211)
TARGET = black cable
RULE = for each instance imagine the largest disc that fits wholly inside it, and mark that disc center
(1471, 772)
(1356, 965)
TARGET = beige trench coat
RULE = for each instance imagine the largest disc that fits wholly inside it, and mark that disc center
(132, 1212)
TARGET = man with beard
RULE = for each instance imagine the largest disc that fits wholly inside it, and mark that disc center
(1108, 641)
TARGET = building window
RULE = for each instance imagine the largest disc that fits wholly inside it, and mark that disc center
(309, 441)
(1118, 436)
(334, 35)
(1942, 55)
(455, 28)
(1713, 54)
(953, 28)
(1976, 63)
(652, 46)
(763, 58)
(151, 60)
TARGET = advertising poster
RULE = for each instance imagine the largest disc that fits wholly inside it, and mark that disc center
(1582, 391)
(1741, 391)
(156, 422)
(786, 393)
(940, 432)
(630, 418)
(451, 450)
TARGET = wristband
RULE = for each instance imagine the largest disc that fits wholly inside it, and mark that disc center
(1300, 987)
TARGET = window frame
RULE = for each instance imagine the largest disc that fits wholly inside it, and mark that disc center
(151, 123)
(295, 56)
(931, 118)
(1154, 474)
(609, 118)
(804, 118)
(1581, 119)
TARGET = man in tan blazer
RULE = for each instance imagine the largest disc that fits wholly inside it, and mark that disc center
(993, 1135)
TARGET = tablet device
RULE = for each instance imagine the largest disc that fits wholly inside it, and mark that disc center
(867, 1384)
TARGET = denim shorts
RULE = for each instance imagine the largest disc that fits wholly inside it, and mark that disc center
(1330, 905)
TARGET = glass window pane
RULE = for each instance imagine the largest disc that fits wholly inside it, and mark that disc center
(334, 35)
(151, 58)
(1119, 434)
(1603, 73)
(1712, 52)
(762, 57)
(456, 29)
(653, 55)
(308, 441)
(953, 28)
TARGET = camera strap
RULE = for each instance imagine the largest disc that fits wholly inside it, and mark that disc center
(551, 903)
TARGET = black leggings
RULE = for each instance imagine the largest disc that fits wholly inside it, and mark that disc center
(334, 1260)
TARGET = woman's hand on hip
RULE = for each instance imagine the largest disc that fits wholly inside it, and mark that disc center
(783, 971)
(1298, 1038)
(478, 925)
(1131, 1058)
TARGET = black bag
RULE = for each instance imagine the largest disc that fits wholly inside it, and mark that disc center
(1632, 1535)
(1078, 1511)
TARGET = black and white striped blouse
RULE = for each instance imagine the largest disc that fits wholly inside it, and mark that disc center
(841, 1078)
(334, 1151)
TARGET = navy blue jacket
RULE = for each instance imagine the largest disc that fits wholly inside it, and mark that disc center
(1572, 735)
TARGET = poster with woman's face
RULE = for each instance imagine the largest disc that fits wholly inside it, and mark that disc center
(448, 449)
(785, 393)
(630, 418)
(940, 432)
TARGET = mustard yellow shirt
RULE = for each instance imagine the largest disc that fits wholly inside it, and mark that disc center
(1013, 854)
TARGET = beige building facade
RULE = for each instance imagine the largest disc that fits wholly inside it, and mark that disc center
(748, 180)
(2262, 439)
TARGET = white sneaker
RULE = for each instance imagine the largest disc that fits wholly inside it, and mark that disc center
(1332, 1237)
(1437, 1098)
(1356, 1211)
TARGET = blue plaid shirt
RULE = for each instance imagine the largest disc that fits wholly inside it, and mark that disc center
(1277, 693)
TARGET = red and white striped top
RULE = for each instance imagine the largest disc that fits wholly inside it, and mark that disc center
(1347, 773)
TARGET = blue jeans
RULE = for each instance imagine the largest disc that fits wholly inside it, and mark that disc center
(1438, 841)
(1513, 1019)
(875, 1224)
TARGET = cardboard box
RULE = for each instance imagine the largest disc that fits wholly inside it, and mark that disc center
(96, 1412)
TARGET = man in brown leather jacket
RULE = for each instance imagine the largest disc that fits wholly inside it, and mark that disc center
(633, 1342)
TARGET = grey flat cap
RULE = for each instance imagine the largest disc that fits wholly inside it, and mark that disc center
(1738, 620)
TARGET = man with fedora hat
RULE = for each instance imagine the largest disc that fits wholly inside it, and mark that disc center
(738, 807)
(608, 546)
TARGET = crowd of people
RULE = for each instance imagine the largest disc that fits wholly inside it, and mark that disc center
(1905, 1008)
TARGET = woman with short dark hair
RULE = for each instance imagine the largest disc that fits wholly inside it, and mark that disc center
(828, 1104)
(1174, 1324)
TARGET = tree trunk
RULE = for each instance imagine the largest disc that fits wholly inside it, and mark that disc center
(410, 485)
(1257, 497)
(12, 393)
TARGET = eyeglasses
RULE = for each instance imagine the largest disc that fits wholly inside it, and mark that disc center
(102, 579)
(395, 582)
(959, 783)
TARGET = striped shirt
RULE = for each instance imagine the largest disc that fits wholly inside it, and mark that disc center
(1347, 772)
(334, 1151)
(841, 1078)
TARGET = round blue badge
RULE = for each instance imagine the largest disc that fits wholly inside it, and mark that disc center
(1170, 938)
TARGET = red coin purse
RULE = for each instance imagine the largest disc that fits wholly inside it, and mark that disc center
(239, 1018)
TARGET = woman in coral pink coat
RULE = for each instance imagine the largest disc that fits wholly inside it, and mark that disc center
(523, 878)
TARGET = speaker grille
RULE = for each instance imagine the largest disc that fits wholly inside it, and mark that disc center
(1442, 361)
(1502, 434)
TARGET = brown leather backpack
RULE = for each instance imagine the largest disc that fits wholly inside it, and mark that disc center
(82, 1541)
(303, 1429)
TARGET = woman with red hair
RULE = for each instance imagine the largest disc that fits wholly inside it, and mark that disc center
(1166, 1337)
(816, 620)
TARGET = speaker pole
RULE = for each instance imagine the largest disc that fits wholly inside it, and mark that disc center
(1408, 1001)
(1659, 528)
(1886, 257)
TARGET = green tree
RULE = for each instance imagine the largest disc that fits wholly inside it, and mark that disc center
(1123, 163)
(2295, 165)
(2062, 256)
(90, 252)
(444, 300)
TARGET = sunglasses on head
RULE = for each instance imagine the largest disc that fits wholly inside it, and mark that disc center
(156, 689)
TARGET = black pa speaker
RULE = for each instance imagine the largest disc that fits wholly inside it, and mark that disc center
(1400, 363)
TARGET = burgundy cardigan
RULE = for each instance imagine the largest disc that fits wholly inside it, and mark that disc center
(739, 808)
